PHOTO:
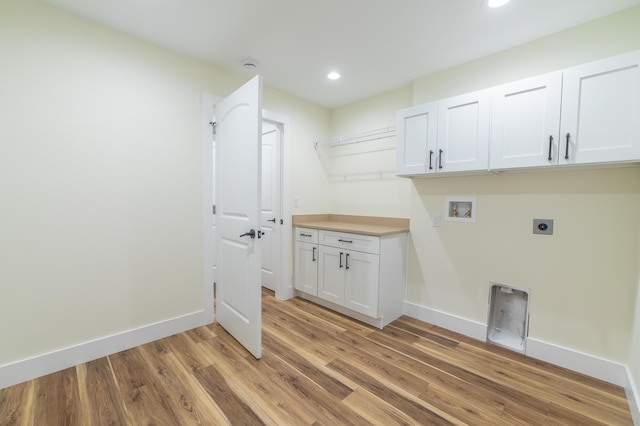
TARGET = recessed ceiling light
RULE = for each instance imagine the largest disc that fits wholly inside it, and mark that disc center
(496, 3)
(333, 75)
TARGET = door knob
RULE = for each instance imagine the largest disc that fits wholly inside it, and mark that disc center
(251, 233)
(272, 220)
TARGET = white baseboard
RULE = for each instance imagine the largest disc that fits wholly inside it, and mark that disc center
(40, 365)
(590, 365)
(633, 397)
(460, 325)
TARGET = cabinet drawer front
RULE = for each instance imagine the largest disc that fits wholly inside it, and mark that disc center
(307, 234)
(364, 243)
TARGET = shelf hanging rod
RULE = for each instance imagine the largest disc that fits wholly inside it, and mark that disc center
(386, 132)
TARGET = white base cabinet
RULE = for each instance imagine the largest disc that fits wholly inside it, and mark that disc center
(306, 260)
(362, 276)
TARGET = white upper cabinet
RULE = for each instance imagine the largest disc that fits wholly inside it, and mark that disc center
(525, 122)
(587, 114)
(601, 111)
(451, 135)
(463, 133)
(416, 132)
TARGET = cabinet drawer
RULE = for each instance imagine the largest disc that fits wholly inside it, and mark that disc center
(307, 234)
(364, 243)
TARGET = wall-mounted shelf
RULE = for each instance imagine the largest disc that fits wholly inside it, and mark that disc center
(363, 155)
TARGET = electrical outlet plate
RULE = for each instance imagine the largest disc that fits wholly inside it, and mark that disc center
(543, 226)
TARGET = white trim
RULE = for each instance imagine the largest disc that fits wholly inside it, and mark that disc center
(208, 103)
(581, 362)
(633, 397)
(375, 322)
(590, 365)
(40, 365)
(460, 325)
(284, 285)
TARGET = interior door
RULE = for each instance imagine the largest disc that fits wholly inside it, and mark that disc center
(271, 209)
(238, 187)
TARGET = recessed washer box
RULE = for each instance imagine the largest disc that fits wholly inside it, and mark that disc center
(508, 324)
(460, 209)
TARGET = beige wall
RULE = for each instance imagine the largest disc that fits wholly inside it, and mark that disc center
(634, 353)
(371, 195)
(101, 178)
(584, 278)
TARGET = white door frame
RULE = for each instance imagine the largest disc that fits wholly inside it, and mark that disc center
(284, 286)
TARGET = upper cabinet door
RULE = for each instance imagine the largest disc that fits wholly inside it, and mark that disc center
(601, 111)
(416, 131)
(525, 122)
(463, 132)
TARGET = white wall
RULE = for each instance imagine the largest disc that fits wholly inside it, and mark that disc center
(584, 278)
(634, 352)
(101, 179)
(381, 195)
(583, 272)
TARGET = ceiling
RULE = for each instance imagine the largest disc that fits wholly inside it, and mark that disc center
(377, 45)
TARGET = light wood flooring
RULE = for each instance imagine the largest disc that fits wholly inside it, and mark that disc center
(318, 368)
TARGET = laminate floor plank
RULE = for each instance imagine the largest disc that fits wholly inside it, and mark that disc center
(58, 399)
(146, 403)
(269, 397)
(318, 368)
(422, 413)
(535, 382)
(103, 402)
(234, 408)
(17, 404)
(326, 407)
(188, 399)
(376, 410)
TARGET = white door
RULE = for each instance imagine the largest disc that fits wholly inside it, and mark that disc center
(331, 274)
(238, 184)
(361, 282)
(416, 132)
(306, 267)
(525, 122)
(463, 132)
(600, 110)
(271, 204)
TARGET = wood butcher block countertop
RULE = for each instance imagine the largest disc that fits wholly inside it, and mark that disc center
(365, 225)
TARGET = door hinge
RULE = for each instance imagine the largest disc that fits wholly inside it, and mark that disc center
(214, 209)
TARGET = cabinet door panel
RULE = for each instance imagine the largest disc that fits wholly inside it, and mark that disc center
(600, 110)
(416, 131)
(463, 132)
(362, 282)
(331, 274)
(525, 122)
(306, 268)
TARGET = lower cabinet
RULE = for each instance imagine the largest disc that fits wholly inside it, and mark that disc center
(349, 278)
(306, 260)
(362, 276)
